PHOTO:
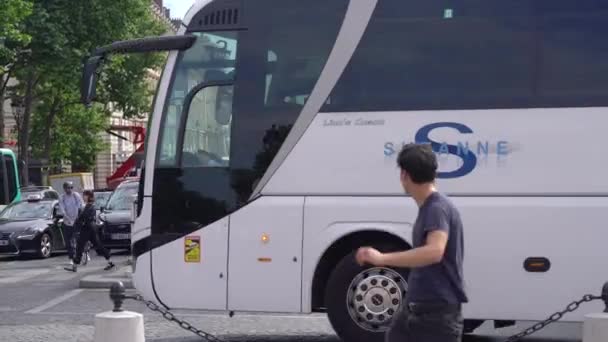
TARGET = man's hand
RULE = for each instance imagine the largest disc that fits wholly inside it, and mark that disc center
(369, 255)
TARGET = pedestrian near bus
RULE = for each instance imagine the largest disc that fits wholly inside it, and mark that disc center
(432, 309)
(70, 204)
(86, 224)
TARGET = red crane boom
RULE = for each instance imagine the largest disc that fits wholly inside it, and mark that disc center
(123, 171)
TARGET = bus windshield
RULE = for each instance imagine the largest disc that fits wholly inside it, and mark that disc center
(212, 58)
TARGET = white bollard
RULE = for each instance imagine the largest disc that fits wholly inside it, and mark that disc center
(122, 326)
(119, 325)
(595, 327)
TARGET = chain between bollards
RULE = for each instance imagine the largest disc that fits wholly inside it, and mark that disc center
(118, 296)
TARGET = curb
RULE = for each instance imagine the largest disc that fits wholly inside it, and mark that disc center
(103, 281)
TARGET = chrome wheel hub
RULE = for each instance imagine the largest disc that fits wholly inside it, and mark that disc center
(374, 296)
(45, 245)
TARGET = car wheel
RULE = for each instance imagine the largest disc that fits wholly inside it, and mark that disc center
(361, 301)
(45, 247)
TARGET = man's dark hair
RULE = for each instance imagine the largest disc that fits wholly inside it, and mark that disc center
(90, 195)
(419, 161)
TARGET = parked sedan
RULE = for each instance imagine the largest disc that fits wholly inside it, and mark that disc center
(115, 218)
(32, 226)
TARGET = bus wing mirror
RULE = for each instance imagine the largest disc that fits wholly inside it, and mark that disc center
(89, 79)
(149, 44)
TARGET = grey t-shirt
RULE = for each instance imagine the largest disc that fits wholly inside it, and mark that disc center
(442, 282)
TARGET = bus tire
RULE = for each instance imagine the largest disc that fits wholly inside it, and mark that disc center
(351, 305)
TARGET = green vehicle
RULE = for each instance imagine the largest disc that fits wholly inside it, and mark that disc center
(9, 179)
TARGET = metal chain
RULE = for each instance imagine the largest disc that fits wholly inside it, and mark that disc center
(529, 331)
(553, 318)
(170, 317)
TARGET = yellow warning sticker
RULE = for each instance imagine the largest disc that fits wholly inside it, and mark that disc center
(192, 249)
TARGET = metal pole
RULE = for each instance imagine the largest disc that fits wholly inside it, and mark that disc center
(117, 295)
(605, 296)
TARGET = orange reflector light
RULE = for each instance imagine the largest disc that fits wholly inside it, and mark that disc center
(537, 264)
(265, 238)
(264, 259)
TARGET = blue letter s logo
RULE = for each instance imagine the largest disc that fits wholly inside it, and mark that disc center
(468, 158)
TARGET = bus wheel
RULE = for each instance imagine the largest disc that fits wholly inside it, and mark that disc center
(362, 301)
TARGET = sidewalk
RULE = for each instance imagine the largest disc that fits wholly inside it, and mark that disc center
(106, 279)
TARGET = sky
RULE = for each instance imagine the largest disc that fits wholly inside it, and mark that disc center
(178, 7)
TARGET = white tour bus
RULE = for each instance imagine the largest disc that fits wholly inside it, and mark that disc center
(271, 154)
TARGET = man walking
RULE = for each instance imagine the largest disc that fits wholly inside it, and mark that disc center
(86, 224)
(70, 204)
(432, 310)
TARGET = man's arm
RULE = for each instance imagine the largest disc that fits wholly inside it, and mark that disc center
(437, 228)
(80, 201)
(61, 206)
(429, 254)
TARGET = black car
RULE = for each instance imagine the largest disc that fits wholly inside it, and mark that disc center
(115, 217)
(32, 226)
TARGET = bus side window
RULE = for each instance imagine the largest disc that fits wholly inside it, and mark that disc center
(11, 177)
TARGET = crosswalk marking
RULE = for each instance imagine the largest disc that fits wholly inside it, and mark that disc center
(62, 275)
(55, 274)
(54, 302)
(15, 276)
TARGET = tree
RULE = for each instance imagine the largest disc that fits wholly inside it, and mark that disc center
(12, 40)
(12, 37)
(46, 51)
(63, 33)
(74, 136)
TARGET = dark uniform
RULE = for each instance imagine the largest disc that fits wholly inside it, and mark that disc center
(86, 224)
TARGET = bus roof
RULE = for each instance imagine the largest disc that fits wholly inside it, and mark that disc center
(194, 9)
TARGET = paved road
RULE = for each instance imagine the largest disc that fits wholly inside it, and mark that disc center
(40, 302)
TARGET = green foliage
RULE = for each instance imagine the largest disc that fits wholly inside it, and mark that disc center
(64, 33)
(12, 38)
(74, 136)
(80, 128)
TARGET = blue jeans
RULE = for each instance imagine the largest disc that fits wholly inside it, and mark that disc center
(68, 235)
